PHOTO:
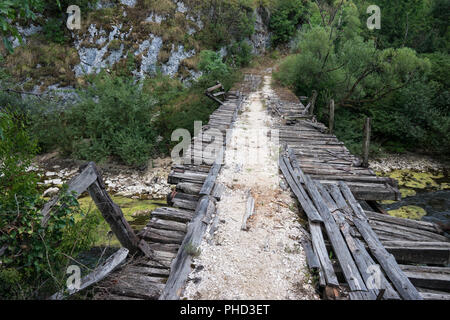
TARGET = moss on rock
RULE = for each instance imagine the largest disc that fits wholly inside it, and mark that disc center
(408, 212)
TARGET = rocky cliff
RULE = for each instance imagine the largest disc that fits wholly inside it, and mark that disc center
(141, 36)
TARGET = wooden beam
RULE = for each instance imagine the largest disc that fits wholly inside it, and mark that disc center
(307, 206)
(76, 186)
(398, 278)
(324, 258)
(349, 268)
(366, 143)
(248, 211)
(181, 265)
(331, 117)
(97, 275)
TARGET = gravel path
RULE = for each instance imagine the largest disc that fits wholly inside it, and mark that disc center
(267, 260)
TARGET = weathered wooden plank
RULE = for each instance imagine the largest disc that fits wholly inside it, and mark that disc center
(218, 191)
(322, 253)
(348, 265)
(311, 257)
(400, 281)
(173, 214)
(310, 211)
(420, 235)
(136, 286)
(208, 185)
(248, 211)
(97, 275)
(437, 278)
(114, 216)
(420, 225)
(167, 225)
(189, 188)
(418, 254)
(77, 185)
(366, 265)
(180, 268)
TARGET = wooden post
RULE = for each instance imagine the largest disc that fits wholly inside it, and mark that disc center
(313, 102)
(331, 123)
(366, 143)
(113, 214)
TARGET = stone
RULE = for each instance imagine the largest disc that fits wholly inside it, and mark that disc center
(50, 192)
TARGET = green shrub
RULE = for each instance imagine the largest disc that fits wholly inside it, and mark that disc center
(240, 54)
(54, 29)
(113, 119)
(37, 254)
(285, 18)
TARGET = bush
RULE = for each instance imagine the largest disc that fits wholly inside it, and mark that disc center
(214, 69)
(240, 54)
(35, 256)
(113, 119)
(54, 30)
(284, 20)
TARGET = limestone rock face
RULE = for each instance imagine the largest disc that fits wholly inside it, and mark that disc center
(157, 38)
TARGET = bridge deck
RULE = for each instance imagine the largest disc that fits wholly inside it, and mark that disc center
(324, 157)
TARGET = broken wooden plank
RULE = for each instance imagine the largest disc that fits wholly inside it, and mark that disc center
(436, 278)
(309, 210)
(248, 211)
(311, 257)
(114, 216)
(348, 265)
(75, 186)
(208, 185)
(322, 254)
(97, 275)
(398, 278)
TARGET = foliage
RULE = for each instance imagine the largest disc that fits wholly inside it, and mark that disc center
(114, 118)
(240, 54)
(54, 31)
(12, 10)
(224, 21)
(214, 69)
(405, 94)
(34, 254)
(418, 24)
(285, 17)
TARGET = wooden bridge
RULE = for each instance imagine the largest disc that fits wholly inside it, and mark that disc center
(408, 259)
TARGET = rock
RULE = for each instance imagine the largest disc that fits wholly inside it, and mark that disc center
(50, 192)
(54, 182)
(140, 213)
(50, 174)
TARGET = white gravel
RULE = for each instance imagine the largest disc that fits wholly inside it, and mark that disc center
(267, 261)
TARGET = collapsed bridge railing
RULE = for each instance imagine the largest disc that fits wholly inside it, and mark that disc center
(89, 179)
(356, 246)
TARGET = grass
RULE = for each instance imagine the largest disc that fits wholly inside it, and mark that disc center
(43, 64)
(136, 212)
